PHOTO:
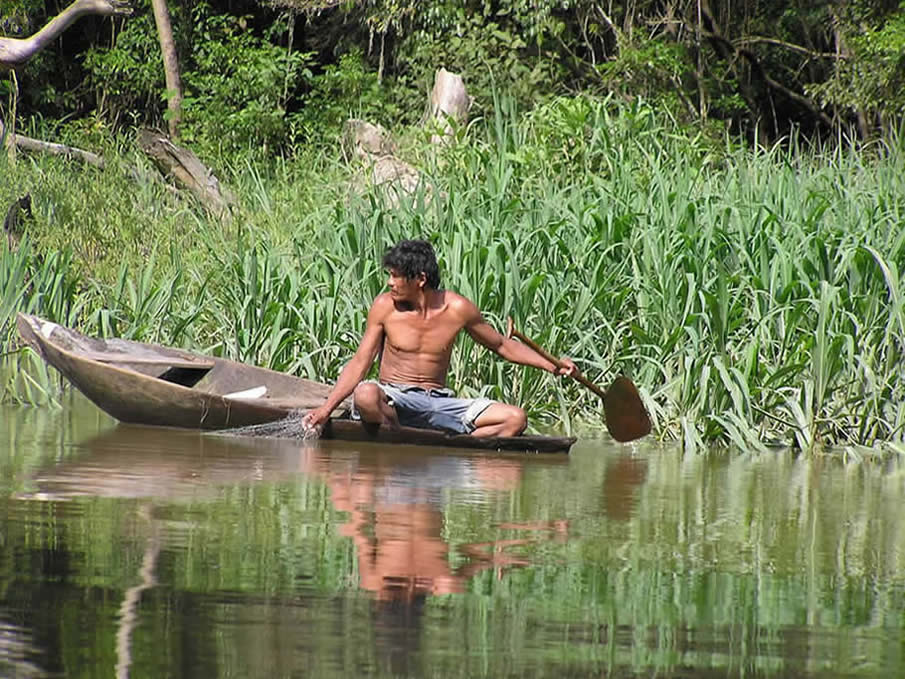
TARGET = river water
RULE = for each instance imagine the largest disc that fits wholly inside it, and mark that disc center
(129, 551)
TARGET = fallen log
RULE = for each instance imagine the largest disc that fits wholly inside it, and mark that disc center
(36, 145)
(180, 164)
(187, 171)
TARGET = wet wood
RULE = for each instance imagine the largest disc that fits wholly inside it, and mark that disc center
(348, 430)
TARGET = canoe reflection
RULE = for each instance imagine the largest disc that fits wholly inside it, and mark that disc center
(395, 498)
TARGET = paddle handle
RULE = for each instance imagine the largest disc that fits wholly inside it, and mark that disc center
(512, 332)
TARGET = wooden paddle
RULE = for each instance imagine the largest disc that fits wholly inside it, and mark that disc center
(626, 417)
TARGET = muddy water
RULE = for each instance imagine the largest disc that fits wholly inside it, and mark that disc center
(142, 552)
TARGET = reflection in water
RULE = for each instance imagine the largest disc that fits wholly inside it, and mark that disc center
(392, 503)
(395, 507)
(16, 653)
(621, 479)
(395, 504)
(128, 613)
(197, 555)
(162, 464)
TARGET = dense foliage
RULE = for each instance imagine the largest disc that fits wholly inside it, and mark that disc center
(710, 200)
(286, 72)
(753, 295)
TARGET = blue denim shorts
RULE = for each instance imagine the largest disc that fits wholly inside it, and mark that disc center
(431, 408)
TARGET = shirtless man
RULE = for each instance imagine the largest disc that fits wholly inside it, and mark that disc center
(413, 327)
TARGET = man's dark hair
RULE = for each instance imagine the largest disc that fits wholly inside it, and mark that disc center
(413, 257)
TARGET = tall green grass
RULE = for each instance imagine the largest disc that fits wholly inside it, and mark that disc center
(754, 295)
(36, 284)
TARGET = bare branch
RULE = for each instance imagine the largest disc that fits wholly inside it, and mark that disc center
(758, 39)
(773, 84)
(16, 51)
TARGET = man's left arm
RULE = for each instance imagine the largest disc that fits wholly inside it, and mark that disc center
(510, 349)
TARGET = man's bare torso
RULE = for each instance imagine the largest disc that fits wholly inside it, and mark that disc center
(417, 344)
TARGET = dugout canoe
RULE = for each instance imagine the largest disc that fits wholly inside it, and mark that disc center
(150, 384)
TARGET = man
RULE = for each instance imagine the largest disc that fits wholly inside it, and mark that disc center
(413, 327)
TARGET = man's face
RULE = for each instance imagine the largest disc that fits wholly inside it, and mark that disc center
(404, 289)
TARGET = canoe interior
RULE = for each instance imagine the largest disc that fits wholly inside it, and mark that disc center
(205, 374)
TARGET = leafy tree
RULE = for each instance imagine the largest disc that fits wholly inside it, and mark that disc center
(126, 77)
(869, 76)
(270, 72)
(239, 85)
(238, 82)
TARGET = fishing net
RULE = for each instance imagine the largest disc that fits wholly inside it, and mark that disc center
(290, 427)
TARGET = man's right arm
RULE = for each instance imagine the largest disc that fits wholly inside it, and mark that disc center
(355, 370)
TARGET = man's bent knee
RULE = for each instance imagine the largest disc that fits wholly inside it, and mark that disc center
(517, 421)
(369, 401)
(368, 395)
(373, 406)
(501, 419)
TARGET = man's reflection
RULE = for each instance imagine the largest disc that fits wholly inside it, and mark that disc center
(396, 520)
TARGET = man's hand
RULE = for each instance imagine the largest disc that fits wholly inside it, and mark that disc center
(566, 368)
(315, 419)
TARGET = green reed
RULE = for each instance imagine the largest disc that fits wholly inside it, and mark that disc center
(34, 284)
(754, 295)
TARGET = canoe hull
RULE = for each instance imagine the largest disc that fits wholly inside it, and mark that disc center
(348, 430)
(148, 384)
(136, 397)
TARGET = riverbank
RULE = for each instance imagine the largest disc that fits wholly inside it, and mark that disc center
(753, 295)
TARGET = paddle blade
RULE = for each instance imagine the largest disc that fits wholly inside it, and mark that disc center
(626, 417)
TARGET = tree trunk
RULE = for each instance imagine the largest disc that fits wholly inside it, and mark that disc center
(170, 65)
(449, 102)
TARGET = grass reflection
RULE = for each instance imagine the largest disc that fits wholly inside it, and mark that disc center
(276, 559)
